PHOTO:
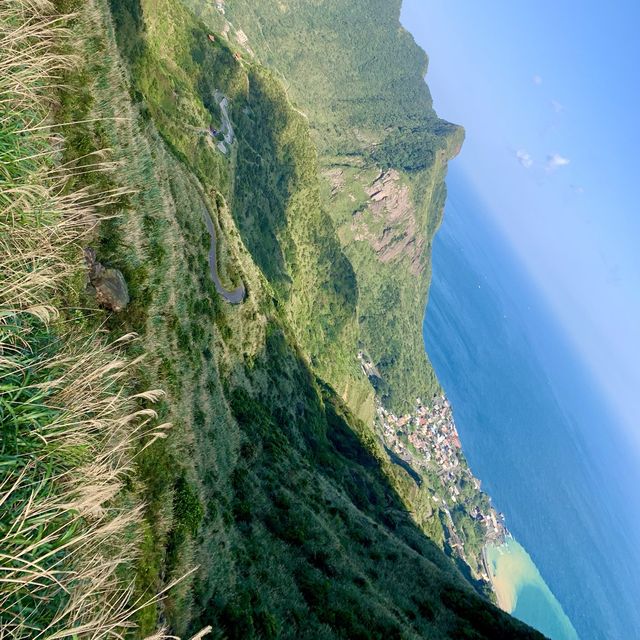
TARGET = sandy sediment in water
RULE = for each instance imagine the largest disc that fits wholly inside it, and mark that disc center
(508, 570)
(512, 570)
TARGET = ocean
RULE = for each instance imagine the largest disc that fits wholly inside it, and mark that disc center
(535, 432)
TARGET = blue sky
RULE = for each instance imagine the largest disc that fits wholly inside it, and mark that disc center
(548, 93)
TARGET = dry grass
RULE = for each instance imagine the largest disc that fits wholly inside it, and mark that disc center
(69, 428)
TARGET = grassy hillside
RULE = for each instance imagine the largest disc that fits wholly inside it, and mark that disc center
(269, 180)
(71, 414)
(269, 500)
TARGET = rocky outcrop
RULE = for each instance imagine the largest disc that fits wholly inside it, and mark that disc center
(397, 237)
(337, 180)
(107, 285)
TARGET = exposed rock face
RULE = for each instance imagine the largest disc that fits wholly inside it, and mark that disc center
(391, 203)
(108, 285)
(337, 180)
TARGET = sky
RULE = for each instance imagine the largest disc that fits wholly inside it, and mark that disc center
(548, 93)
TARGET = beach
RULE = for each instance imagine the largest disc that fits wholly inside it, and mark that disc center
(521, 590)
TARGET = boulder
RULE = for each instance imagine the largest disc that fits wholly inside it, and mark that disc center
(107, 285)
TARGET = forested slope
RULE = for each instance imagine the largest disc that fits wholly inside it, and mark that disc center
(358, 77)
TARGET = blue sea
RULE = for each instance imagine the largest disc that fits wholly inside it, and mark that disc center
(534, 428)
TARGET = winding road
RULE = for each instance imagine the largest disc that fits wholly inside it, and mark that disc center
(237, 295)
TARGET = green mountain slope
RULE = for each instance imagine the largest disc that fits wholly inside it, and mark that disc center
(358, 77)
(271, 501)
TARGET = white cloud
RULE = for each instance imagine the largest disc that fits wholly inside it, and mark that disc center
(555, 160)
(558, 107)
(524, 158)
(537, 80)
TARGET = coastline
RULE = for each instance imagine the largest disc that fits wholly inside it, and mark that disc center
(504, 590)
(504, 598)
(426, 444)
(521, 591)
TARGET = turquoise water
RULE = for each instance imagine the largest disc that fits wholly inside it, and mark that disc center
(523, 592)
(533, 607)
(534, 428)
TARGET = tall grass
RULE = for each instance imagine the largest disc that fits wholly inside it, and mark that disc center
(69, 429)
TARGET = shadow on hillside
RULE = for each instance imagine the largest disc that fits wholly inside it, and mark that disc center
(403, 464)
(321, 544)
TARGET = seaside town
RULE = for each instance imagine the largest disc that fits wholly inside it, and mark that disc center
(426, 441)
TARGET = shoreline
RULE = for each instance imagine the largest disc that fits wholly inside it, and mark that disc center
(426, 444)
(522, 592)
(505, 592)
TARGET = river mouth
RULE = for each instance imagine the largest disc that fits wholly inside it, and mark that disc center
(522, 592)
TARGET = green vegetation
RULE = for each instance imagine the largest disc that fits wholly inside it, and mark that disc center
(270, 500)
(348, 65)
(358, 77)
(69, 422)
(270, 180)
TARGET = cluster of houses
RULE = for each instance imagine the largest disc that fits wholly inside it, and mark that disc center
(427, 439)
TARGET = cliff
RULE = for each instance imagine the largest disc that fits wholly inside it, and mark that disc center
(271, 213)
